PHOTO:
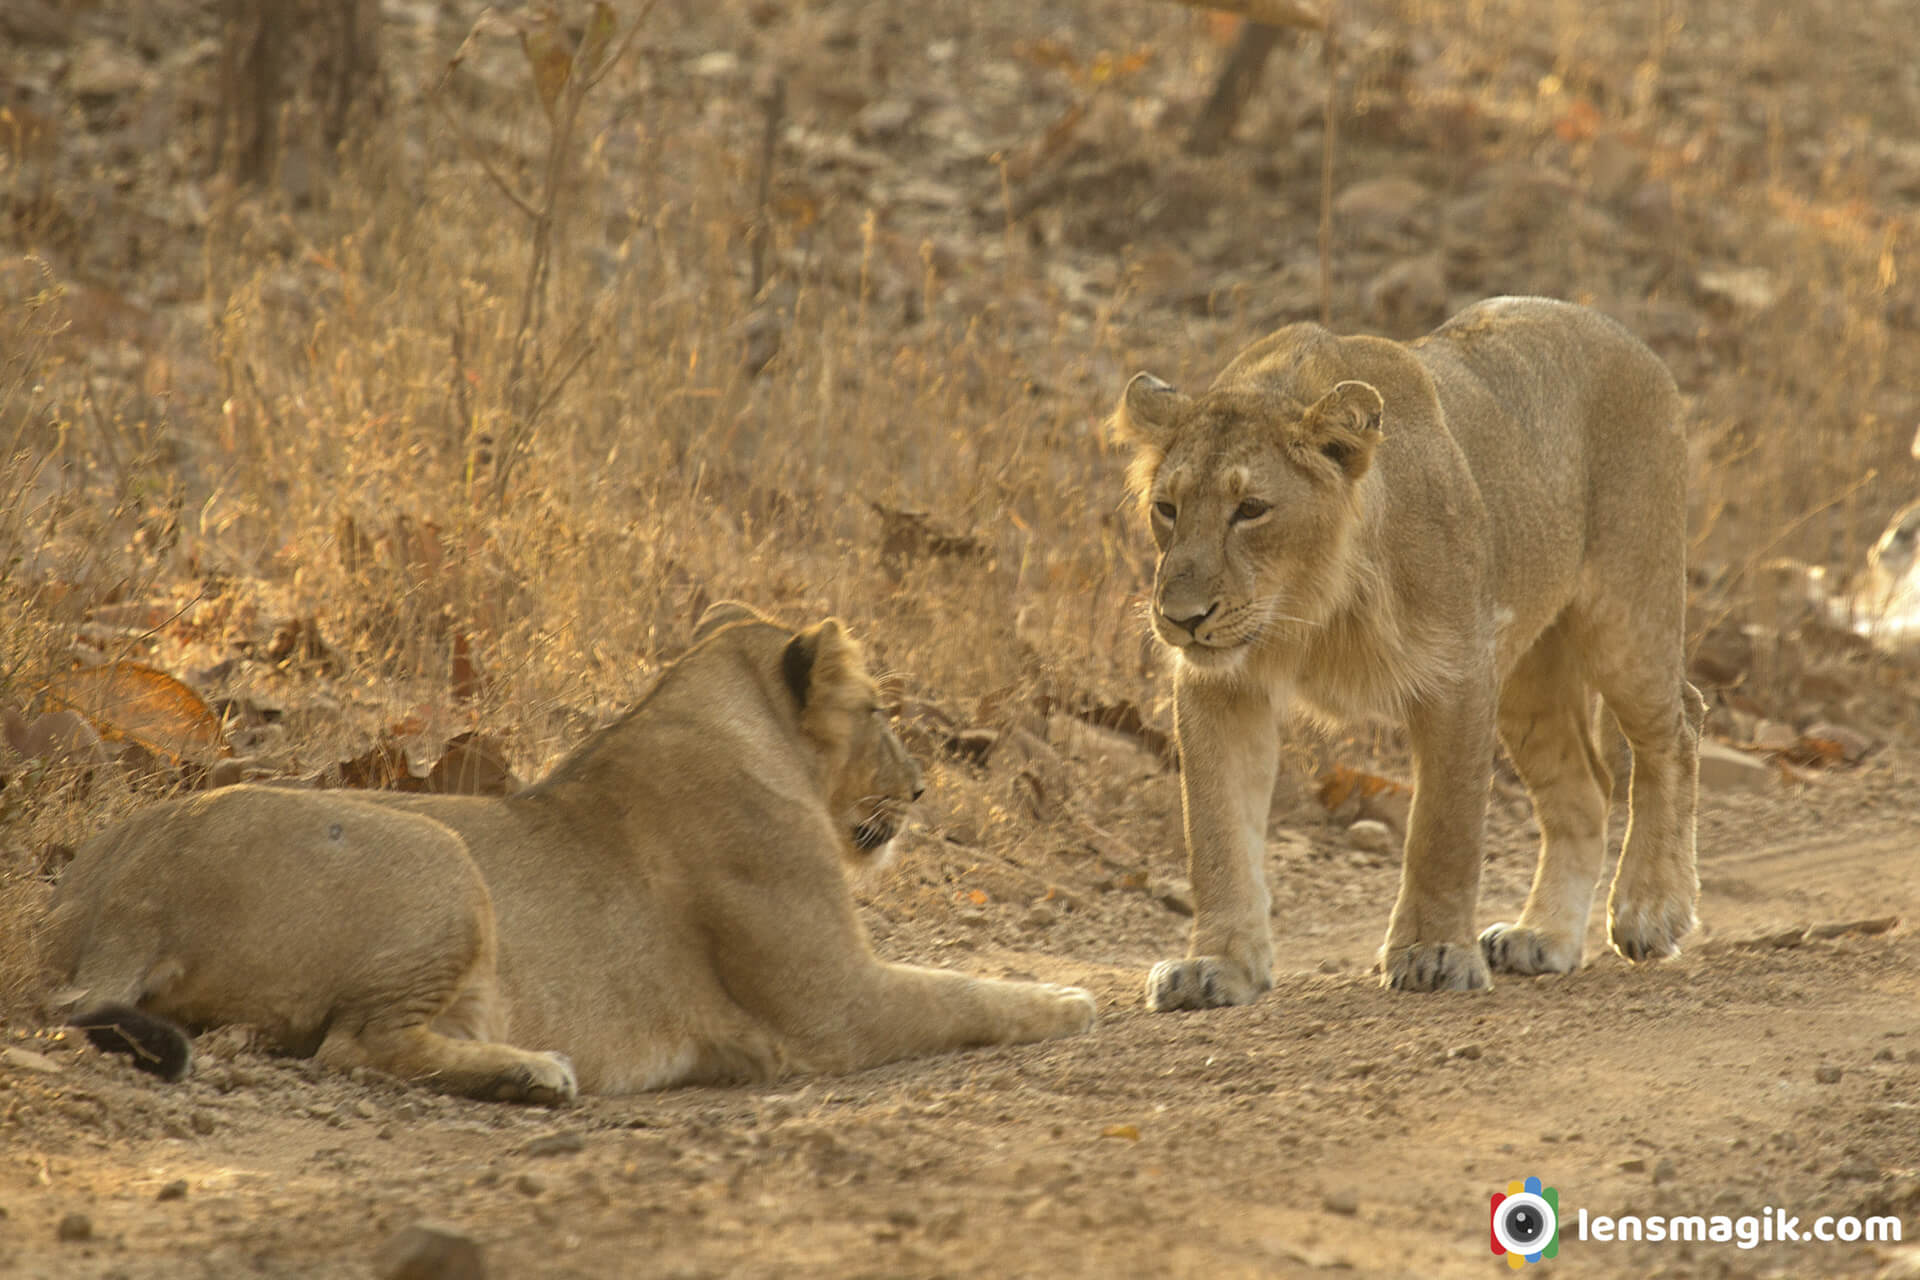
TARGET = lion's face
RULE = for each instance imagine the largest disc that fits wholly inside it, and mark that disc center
(871, 780)
(1250, 492)
(878, 781)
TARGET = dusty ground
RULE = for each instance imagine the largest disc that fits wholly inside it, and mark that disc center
(1331, 1126)
(981, 222)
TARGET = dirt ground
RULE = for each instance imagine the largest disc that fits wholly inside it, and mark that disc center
(1332, 1126)
(1000, 190)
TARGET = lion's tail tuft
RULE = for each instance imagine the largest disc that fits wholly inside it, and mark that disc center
(156, 1045)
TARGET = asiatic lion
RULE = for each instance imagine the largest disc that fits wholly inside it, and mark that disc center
(670, 905)
(1479, 529)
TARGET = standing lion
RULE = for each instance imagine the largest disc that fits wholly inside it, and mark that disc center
(1476, 531)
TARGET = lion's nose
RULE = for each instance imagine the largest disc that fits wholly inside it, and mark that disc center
(1191, 623)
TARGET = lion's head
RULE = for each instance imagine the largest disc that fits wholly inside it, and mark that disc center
(1251, 490)
(872, 780)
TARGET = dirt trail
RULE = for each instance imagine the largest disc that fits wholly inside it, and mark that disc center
(1331, 1126)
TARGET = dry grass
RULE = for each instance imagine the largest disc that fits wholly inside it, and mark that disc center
(321, 433)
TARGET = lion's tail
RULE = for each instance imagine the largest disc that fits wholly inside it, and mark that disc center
(155, 1044)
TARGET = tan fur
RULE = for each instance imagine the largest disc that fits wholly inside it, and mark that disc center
(1477, 530)
(669, 905)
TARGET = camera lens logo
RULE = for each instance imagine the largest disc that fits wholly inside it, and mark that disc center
(1526, 1222)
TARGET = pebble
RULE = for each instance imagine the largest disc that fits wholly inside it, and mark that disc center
(75, 1227)
(28, 1060)
(563, 1143)
(1370, 835)
(428, 1251)
(1341, 1202)
(1040, 916)
(1827, 1075)
(175, 1190)
(1664, 1172)
(1470, 1052)
(528, 1184)
(1633, 1164)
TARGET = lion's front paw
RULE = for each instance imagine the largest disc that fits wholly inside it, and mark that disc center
(1514, 948)
(542, 1079)
(1073, 1009)
(1202, 982)
(1436, 966)
(1652, 931)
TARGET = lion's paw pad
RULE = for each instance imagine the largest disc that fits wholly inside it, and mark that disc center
(1652, 932)
(1201, 982)
(544, 1080)
(1437, 966)
(1513, 948)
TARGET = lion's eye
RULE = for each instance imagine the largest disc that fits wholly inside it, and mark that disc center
(1165, 510)
(1251, 509)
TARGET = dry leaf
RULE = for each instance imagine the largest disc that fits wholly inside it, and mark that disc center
(473, 765)
(129, 702)
(597, 40)
(550, 60)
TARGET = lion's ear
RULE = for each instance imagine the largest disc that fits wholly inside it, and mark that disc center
(823, 658)
(1146, 413)
(719, 614)
(1344, 424)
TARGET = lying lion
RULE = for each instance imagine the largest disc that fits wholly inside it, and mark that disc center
(669, 906)
(1475, 531)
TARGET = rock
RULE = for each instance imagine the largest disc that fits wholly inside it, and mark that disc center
(564, 1143)
(1743, 289)
(887, 118)
(528, 1184)
(1827, 1074)
(1724, 769)
(1039, 916)
(1466, 1052)
(1411, 295)
(1633, 1164)
(427, 1251)
(103, 70)
(1664, 1172)
(175, 1190)
(28, 1060)
(1343, 1202)
(1370, 835)
(1381, 208)
(74, 1228)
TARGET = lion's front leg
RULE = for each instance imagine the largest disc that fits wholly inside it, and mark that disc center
(1430, 942)
(907, 1011)
(1229, 747)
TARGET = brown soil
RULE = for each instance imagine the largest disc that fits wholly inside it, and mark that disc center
(1331, 1126)
(1738, 183)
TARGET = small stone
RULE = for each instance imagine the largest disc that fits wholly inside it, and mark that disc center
(1039, 916)
(528, 1184)
(1468, 1052)
(1664, 1172)
(1330, 965)
(1857, 1171)
(28, 1060)
(364, 1109)
(428, 1251)
(1343, 1202)
(1369, 835)
(175, 1190)
(564, 1143)
(74, 1228)
(1724, 769)
(1883, 1055)
(884, 119)
(202, 1122)
(1633, 1164)
(1827, 1075)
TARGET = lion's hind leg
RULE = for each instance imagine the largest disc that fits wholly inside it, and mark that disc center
(1651, 906)
(1547, 723)
(445, 1034)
